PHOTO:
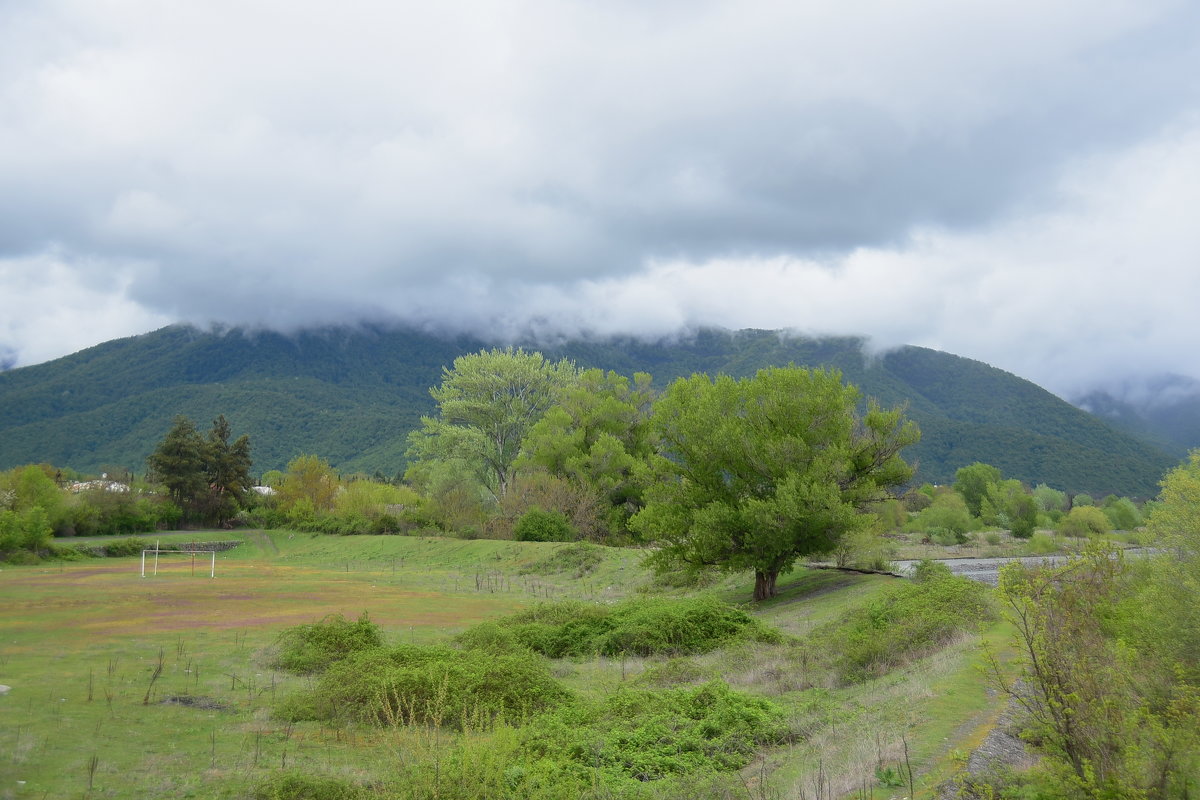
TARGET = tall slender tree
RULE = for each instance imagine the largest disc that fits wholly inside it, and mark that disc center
(227, 471)
(178, 465)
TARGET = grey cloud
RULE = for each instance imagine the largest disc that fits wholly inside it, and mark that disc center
(515, 167)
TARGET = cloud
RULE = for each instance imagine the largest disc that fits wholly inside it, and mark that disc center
(935, 172)
(51, 306)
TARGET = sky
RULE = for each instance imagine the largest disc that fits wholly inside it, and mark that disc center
(1015, 182)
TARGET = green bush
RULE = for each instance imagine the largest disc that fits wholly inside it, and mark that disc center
(908, 621)
(646, 626)
(407, 685)
(313, 647)
(490, 637)
(1043, 543)
(945, 537)
(578, 559)
(1084, 521)
(125, 547)
(299, 786)
(536, 525)
(674, 672)
(645, 735)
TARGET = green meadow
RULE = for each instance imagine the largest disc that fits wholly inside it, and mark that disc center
(132, 687)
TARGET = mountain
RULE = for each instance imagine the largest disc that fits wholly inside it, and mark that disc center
(1164, 410)
(351, 396)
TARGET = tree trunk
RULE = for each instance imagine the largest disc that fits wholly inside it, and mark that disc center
(764, 583)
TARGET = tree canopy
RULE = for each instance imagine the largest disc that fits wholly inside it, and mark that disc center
(487, 403)
(755, 473)
(206, 478)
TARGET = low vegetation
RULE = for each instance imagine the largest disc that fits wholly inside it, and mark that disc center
(642, 627)
(411, 685)
(906, 622)
(315, 646)
(468, 681)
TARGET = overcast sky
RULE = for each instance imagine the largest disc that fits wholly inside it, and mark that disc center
(1017, 181)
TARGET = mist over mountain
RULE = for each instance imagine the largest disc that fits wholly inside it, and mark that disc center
(351, 395)
(1013, 182)
(1164, 409)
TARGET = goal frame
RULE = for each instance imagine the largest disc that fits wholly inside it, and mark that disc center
(212, 569)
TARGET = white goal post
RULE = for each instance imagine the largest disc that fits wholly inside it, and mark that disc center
(212, 568)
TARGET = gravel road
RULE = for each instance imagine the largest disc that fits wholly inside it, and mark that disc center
(987, 570)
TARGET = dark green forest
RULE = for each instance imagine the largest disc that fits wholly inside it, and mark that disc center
(352, 396)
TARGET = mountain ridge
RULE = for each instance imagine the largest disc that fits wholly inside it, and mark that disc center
(352, 394)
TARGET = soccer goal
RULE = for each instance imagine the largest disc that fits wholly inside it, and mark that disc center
(185, 554)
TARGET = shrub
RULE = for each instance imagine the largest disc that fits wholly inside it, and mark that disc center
(864, 549)
(674, 672)
(909, 621)
(635, 627)
(578, 559)
(407, 685)
(1084, 521)
(1122, 513)
(948, 511)
(1043, 543)
(536, 525)
(313, 647)
(490, 637)
(125, 547)
(645, 735)
(299, 786)
(945, 537)
(928, 570)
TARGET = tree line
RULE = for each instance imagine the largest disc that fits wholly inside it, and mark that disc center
(736, 474)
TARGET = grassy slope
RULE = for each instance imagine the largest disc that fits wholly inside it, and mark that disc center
(95, 628)
(351, 396)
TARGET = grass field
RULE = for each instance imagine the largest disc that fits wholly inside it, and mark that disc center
(131, 687)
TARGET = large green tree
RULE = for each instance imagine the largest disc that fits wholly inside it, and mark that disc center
(177, 464)
(487, 404)
(755, 473)
(972, 483)
(206, 477)
(227, 471)
(595, 435)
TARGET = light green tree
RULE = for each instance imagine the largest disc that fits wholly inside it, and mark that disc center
(1007, 504)
(309, 482)
(1049, 499)
(1084, 521)
(972, 483)
(1122, 513)
(595, 435)
(487, 404)
(1174, 587)
(947, 512)
(755, 473)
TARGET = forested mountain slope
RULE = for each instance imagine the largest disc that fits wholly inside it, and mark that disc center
(351, 395)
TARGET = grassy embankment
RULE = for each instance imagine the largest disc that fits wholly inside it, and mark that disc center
(126, 687)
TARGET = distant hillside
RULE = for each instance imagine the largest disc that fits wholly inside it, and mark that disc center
(1166, 412)
(351, 395)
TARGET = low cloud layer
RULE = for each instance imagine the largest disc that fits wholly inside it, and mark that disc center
(1013, 183)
